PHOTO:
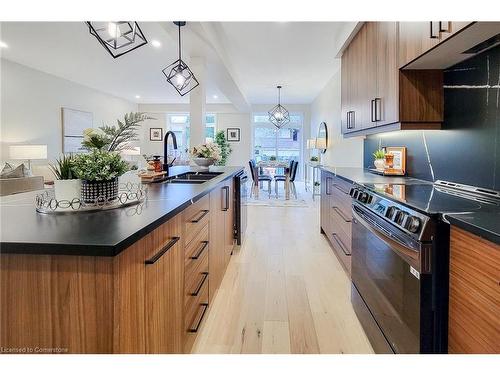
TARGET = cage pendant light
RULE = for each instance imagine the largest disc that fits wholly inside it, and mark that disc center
(279, 115)
(118, 37)
(178, 73)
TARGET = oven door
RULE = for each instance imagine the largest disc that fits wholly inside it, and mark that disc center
(385, 273)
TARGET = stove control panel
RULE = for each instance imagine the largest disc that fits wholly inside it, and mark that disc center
(406, 219)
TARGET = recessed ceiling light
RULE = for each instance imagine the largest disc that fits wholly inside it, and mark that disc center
(3, 45)
(156, 43)
(215, 97)
(137, 96)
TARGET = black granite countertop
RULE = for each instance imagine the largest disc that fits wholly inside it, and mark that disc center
(105, 233)
(476, 217)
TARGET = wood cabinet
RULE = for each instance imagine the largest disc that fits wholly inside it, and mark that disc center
(376, 96)
(416, 38)
(221, 232)
(336, 216)
(150, 298)
(474, 304)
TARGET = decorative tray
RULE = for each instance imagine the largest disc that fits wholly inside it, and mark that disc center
(128, 194)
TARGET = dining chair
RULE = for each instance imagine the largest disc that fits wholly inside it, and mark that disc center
(293, 174)
(290, 165)
(256, 178)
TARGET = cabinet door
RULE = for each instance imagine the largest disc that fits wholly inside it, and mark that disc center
(228, 220)
(164, 287)
(217, 253)
(355, 80)
(367, 81)
(386, 101)
(345, 76)
(415, 38)
(325, 205)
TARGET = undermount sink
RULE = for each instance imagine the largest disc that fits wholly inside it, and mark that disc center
(193, 177)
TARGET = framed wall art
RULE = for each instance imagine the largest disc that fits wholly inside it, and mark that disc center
(156, 134)
(233, 134)
(74, 122)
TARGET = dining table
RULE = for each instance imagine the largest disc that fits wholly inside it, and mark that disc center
(271, 166)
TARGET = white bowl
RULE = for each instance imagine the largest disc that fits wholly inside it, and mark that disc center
(204, 162)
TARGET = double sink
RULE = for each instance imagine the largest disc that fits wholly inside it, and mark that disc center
(192, 177)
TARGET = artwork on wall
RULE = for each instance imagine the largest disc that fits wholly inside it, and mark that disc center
(155, 134)
(233, 134)
(74, 122)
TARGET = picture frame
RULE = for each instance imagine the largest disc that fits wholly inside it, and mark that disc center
(399, 164)
(233, 134)
(156, 134)
(74, 122)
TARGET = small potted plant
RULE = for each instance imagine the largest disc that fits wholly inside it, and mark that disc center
(66, 186)
(314, 159)
(272, 158)
(379, 162)
(205, 154)
(225, 147)
(99, 172)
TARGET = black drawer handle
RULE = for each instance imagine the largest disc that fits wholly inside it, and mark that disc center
(327, 190)
(432, 35)
(340, 189)
(341, 244)
(202, 248)
(341, 214)
(204, 213)
(203, 279)
(160, 253)
(195, 329)
(225, 203)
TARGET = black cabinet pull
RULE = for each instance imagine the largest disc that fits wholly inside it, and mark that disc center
(327, 190)
(353, 120)
(203, 214)
(203, 279)
(340, 189)
(195, 329)
(341, 214)
(442, 29)
(225, 203)
(341, 245)
(347, 120)
(377, 105)
(202, 248)
(432, 35)
(372, 111)
(160, 253)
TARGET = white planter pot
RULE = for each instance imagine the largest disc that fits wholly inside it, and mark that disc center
(379, 164)
(67, 190)
(204, 162)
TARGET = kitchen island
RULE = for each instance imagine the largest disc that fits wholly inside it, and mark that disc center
(129, 280)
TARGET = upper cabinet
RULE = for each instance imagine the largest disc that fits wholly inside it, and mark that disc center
(376, 96)
(416, 38)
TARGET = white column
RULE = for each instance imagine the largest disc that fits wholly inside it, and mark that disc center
(197, 102)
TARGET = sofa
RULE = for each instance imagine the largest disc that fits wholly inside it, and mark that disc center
(10, 186)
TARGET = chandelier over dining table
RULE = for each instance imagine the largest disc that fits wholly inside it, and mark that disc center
(279, 115)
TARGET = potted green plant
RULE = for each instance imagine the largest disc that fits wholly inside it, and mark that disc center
(225, 147)
(379, 157)
(66, 185)
(272, 158)
(314, 159)
(205, 154)
(99, 172)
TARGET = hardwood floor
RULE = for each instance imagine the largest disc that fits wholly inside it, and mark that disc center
(284, 291)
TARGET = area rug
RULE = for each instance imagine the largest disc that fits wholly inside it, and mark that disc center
(273, 202)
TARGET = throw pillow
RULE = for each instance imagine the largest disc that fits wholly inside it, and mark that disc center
(18, 172)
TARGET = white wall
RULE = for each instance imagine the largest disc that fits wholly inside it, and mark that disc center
(31, 104)
(341, 152)
(242, 150)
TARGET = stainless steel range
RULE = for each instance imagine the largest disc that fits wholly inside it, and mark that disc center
(399, 273)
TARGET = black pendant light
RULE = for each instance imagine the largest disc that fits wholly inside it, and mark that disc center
(118, 38)
(279, 115)
(178, 73)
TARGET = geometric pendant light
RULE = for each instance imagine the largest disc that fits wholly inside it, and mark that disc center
(178, 73)
(119, 37)
(279, 115)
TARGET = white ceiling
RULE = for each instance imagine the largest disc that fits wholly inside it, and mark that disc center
(67, 50)
(298, 55)
(245, 60)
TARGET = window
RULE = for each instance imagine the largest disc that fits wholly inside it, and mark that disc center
(179, 124)
(285, 143)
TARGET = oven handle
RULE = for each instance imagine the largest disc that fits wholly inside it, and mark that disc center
(394, 243)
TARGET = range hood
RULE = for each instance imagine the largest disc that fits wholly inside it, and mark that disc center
(473, 39)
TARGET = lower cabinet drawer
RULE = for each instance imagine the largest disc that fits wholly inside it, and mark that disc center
(341, 225)
(195, 278)
(194, 312)
(195, 217)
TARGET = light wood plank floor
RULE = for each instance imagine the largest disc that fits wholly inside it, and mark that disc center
(284, 291)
